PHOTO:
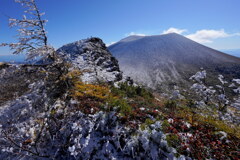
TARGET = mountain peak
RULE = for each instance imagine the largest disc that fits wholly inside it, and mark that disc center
(137, 37)
(172, 33)
(168, 58)
(131, 38)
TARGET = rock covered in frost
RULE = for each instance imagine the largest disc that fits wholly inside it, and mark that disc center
(92, 57)
(199, 76)
(221, 79)
(236, 80)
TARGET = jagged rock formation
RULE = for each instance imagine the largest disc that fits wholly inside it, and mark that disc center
(93, 59)
(162, 61)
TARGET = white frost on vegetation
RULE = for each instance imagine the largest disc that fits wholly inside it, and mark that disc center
(199, 76)
(221, 79)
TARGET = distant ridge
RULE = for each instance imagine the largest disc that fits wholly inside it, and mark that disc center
(11, 57)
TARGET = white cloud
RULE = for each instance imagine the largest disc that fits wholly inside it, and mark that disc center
(109, 44)
(174, 30)
(134, 34)
(207, 36)
(202, 36)
(236, 34)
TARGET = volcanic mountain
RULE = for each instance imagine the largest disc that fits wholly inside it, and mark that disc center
(163, 61)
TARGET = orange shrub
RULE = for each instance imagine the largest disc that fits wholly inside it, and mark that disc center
(81, 89)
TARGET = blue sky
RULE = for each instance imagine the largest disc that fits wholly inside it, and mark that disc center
(214, 23)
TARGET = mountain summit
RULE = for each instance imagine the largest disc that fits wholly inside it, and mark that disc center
(161, 61)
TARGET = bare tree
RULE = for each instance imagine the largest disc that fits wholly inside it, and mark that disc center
(32, 36)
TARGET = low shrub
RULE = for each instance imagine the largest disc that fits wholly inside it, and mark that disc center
(173, 140)
(122, 105)
(146, 124)
(131, 91)
(165, 125)
(81, 89)
(171, 105)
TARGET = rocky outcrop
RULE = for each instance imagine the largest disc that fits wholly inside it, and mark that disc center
(92, 57)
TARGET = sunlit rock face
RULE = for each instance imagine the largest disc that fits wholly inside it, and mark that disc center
(94, 60)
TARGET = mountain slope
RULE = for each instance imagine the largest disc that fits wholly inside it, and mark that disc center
(163, 60)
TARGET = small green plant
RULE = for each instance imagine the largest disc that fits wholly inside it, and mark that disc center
(165, 125)
(144, 93)
(131, 91)
(147, 123)
(173, 140)
(190, 103)
(125, 108)
(122, 104)
(170, 104)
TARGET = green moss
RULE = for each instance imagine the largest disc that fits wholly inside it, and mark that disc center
(53, 112)
(173, 140)
(148, 121)
(143, 126)
(124, 107)
(165, 125)
(177, 155)
(146, 124)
